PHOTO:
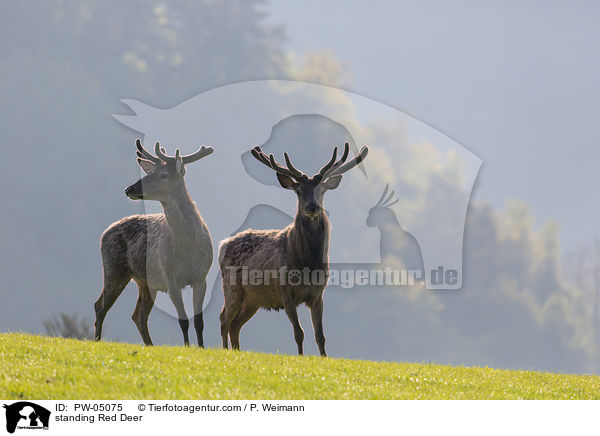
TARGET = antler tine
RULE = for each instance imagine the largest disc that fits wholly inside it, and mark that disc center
(260, 155)
(271, 163)
(281, 169)
(380, 201)
(145, 154)
(299, 174)
(323, 171)
(160, 152)
(203, 152)
(346, 152)
(362, 154)
(331, 169)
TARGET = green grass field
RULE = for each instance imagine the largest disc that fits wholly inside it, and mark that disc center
(40, 367)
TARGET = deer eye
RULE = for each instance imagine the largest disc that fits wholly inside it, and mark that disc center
(164, 176)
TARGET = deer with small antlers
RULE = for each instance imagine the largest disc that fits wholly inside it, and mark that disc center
(160, 252)
(302, 247)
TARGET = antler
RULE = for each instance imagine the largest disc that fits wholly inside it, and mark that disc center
(145, 154)
(290, 171)
(331, 162)
(331, 168)
(340, 167)
(204, 151)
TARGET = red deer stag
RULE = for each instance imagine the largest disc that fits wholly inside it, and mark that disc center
(160, 252)
(279, 256)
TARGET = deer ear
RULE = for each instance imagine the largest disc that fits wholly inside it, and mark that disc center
(286, 182)
(332, 182)
(146, 165)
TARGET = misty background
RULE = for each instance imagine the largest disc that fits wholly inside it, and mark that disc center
(514, 83)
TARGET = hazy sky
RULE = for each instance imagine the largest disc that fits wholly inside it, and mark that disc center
(515, 82)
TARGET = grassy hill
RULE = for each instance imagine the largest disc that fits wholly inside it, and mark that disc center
(39, 367)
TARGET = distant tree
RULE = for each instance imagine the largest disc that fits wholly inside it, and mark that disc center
(160, 52)
(582, 271)
(69, 326)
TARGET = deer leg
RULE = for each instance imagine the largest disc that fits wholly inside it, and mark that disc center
(199, 292)
(292, 313)
(246, 312)
(144, 305)
(316, 314)
(184, 323)
(113, 286)
(231, 307)
(224, 329)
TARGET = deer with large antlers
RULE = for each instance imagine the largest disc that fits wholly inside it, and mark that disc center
(160, 252)
(285, 267)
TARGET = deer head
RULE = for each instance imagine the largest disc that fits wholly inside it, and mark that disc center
(164, 174)
(311, 190)
(381, 212)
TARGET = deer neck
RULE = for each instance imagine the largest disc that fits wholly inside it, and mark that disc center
(309, 241)
(183, 217)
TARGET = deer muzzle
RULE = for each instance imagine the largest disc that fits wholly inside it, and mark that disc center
(134, 192)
